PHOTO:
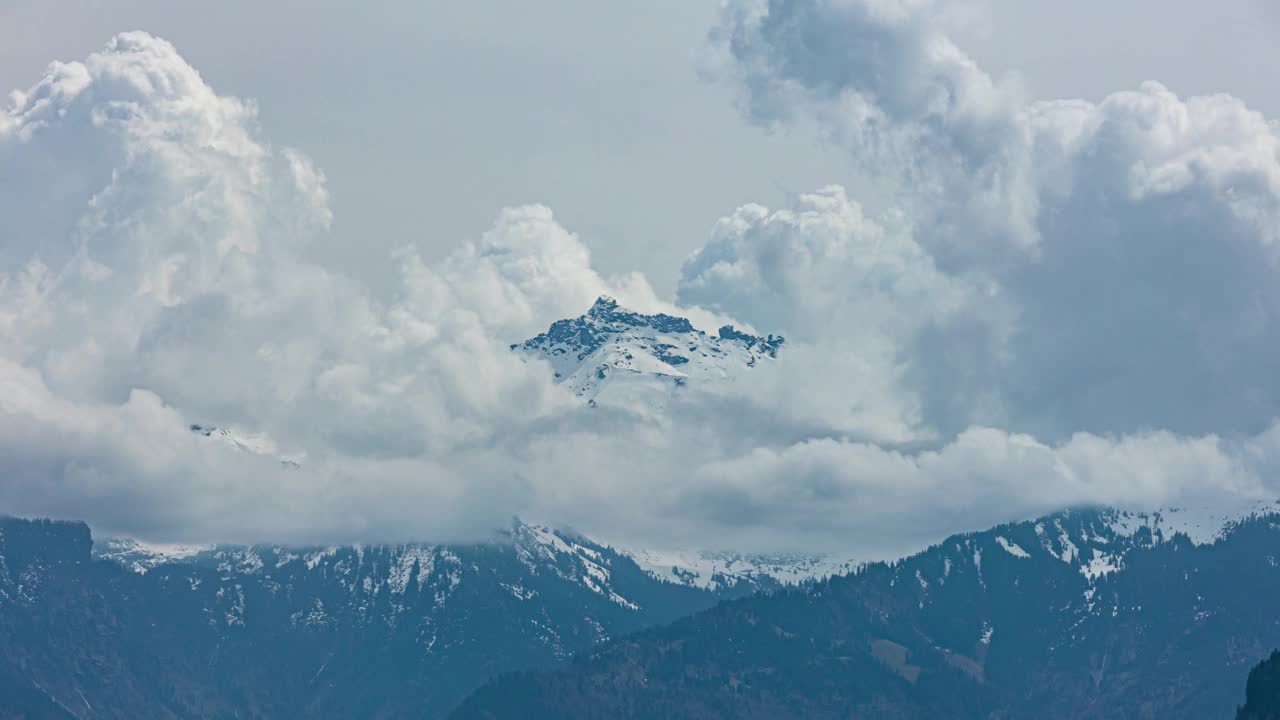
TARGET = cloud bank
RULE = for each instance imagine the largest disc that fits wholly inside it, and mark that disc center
(1064, 302)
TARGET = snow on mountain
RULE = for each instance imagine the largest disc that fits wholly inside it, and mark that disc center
(588, 562)
(533, 565)
(618, 357)
(713, 570)
(1203, 523)
(1098, 548)
(396, 630)
(1098, 542)
(1055, 611)
(256, 444)
(573, 558)
(141, 556)
(542, 550)
(614, 355)
(1013, 548)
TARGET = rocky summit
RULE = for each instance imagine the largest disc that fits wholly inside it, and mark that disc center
(605, 354)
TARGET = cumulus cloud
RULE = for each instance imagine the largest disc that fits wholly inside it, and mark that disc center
(849, 291)
(1126, 247)
(882, 79)
(1153, 300)
(167, 284)
(171, 275)
(1042, 318)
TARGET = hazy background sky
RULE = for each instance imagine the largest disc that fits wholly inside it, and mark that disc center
(428, 117)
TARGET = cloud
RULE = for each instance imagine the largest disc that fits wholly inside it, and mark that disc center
(171, 274)
(888, 502)
(1153, 298)
(850, 292)
(1127, 247)
(134, 467)
(168, 284)
(881, 78)
(1067, 302)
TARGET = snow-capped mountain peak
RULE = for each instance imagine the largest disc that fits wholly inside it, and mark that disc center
(713, 570)
(140, 556)
(245, 442)
(610, 351)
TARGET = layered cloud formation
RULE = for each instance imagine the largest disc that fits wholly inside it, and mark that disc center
(1052, 303)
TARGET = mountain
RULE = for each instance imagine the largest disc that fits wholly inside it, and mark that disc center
(1091, 613)
(1262, 691)
(133, 630)
(243, 442)
(716, 570)
(1088, 613)
(1082, 614)
(613, 355)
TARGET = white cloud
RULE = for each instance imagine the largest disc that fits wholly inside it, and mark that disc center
(178, 291)
(160, 275)
(848, 291)
(881, 78)
(1128, 246)
(888, 502)
(172, 275)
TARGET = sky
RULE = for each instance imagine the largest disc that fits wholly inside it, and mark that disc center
(429, 117)
(1028, 251)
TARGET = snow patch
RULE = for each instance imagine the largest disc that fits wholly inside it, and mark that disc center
(140, 556)
(1203, 524)
(1012, 548)
(714, 570)
(1101, 565)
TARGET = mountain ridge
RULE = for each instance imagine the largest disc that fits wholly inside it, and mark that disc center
(388, 630)
(272, 631)
(1087, 613)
